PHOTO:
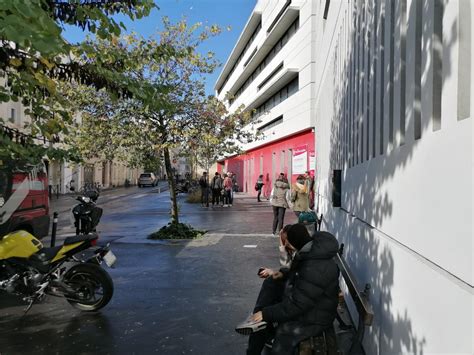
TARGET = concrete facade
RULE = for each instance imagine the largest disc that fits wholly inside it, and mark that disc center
(392, 113)
(269, 72)
(387, 87)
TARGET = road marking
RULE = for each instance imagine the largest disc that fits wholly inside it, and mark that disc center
(137, 196)
(250, 246)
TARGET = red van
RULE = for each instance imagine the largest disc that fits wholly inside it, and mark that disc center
(24, 201)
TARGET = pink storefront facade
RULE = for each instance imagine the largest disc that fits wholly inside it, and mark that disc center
(292, 155)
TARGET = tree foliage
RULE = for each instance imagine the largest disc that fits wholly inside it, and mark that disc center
(219, 133)
(35, 59)
(168, 108)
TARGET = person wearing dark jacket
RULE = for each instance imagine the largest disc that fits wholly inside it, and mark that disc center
(203, 182)
(216, 188)
(302, 300)
(258, 187)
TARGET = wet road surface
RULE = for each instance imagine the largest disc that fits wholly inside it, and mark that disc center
(182, 297)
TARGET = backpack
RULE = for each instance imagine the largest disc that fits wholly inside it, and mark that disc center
(256, 186)
(307, 217)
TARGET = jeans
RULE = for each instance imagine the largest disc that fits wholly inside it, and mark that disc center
(278, 217)
(227, 197)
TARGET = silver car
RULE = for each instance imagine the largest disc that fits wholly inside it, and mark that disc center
(147, 179)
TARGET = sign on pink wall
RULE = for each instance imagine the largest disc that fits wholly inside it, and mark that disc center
(312, 162)
(300, 160)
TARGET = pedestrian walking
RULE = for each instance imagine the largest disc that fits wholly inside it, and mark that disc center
(279, 203)
(216, 188)
(258, 187)
(268, 187)
(299, 196)
(204, 184)
(235, 185)
(228, 191)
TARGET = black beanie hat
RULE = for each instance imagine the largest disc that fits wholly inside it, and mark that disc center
(298, 235)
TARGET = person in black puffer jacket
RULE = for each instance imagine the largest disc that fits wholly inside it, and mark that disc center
(302, 299)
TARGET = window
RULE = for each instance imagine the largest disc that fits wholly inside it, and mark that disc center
(271, 124)
(247, 45)
(12, 115)
(273, 52)
(277, 98)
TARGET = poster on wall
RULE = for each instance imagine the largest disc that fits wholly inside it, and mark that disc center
(300, 160)
(312, 162)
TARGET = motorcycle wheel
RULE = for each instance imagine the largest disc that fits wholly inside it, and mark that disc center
(93, 285)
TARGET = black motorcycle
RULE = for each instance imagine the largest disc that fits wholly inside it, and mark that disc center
(86, 213)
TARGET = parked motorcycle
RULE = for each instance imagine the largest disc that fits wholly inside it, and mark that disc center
(32, 271)
(86, 213)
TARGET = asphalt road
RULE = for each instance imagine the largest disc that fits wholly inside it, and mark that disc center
(170, 297)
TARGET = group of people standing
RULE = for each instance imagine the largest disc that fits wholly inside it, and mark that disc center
(299, 198)
(221, 187)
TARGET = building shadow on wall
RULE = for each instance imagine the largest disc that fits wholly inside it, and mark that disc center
(393, 333)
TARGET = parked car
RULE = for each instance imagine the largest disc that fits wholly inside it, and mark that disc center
(147, 179)
(31, 211)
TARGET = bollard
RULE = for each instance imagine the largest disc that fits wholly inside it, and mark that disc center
(55, 226)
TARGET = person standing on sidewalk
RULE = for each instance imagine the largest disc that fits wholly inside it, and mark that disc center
(279, 203)
(204, 184)
(258, 187)
(216, 187)
(228, 191)
(300, 196)
(309, 183)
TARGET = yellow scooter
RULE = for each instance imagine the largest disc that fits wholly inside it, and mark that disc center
(32, 271)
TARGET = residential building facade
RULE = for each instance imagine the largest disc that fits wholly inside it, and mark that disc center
(62, 175)
(387, 87)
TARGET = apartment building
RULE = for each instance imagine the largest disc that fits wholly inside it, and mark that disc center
(62, 175)
(387, 87)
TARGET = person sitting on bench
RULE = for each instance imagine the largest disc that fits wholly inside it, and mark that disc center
(301, 300)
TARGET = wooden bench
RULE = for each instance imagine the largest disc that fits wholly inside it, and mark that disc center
(326, 343)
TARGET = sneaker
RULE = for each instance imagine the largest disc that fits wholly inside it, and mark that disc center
(230, 205)
(269, 343)
(249, 326)
(224, 206)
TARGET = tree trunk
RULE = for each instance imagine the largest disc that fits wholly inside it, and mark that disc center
(172, 186)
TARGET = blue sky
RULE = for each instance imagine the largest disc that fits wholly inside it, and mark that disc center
(233, 13)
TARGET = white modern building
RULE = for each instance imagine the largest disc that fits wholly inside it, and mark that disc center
(387, 87)
(269, 71)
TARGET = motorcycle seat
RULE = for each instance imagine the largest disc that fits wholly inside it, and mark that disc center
(45, 254)
(80, 238)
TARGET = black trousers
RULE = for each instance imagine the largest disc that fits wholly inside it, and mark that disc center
(270, 293)
(204, 195)
(278, 217)
(258, 194)
(287, 335)
(216, 195)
